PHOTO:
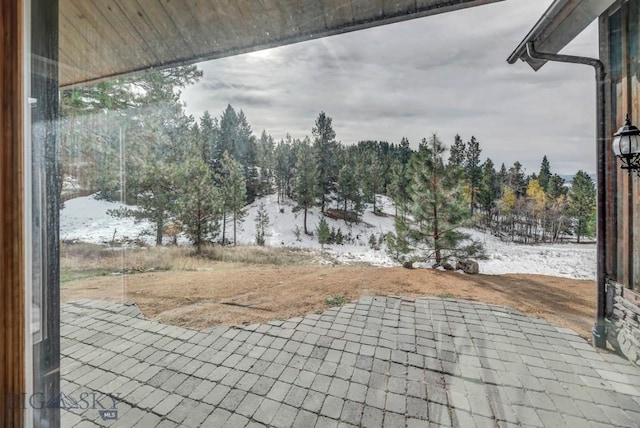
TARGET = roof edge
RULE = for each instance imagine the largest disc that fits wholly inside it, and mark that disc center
(558, 26)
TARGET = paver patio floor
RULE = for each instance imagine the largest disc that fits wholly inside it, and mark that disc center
(382, 361)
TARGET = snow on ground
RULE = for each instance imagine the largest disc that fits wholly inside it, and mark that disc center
(86, 219)
(567, 260)
(281, 231)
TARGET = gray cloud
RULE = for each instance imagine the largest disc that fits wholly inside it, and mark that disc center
(446, 74)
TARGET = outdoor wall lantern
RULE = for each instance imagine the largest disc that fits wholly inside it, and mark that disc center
(626, 146)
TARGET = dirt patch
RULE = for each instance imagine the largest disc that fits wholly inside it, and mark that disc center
(231, 293)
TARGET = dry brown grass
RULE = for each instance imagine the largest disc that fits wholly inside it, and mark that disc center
(81, 260)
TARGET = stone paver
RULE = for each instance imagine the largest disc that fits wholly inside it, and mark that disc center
(377, 362)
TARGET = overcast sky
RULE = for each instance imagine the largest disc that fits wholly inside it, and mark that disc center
(445, 74)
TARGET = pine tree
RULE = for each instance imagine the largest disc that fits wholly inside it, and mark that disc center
(325, 147)
(398, 243)
(348, 190)
(397, 187)
(250, 169)
(582, 202)
(545, 173)
(234, 193)
(306, 179)
(228, 136)
(262, 223)
(556, 187)
(473, 171)
(284, 166)
(198, 201)
(516, 180)
(371, 173)
(404, 150)
(489, 188)
(457, 152)
(209, 134)
(266, 163)
(436, 204)
(323, 232)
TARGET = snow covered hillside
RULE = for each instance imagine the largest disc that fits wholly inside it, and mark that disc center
(86, 219)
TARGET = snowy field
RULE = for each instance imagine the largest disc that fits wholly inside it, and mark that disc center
(85, 219)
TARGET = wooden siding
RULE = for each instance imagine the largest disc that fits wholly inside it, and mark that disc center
(12, 286)
(107, 38)
(621, 51)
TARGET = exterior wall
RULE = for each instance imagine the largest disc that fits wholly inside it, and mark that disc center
(620, 51)
(623, 320)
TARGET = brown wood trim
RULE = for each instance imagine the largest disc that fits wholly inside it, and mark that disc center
(12, 286)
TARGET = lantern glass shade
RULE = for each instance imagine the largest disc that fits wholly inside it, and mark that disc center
(625, 145)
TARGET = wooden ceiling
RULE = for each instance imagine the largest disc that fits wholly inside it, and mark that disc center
(100, 39)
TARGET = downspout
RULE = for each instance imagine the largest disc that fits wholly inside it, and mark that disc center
(598, 332)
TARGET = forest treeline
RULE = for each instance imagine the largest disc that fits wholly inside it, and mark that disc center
(130, 139)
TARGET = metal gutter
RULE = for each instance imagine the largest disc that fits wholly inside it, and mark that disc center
(599, 336)
(537, 30)
(560, 24)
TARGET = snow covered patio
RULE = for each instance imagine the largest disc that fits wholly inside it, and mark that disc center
(382, 361)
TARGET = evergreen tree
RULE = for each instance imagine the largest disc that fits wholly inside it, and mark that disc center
(209, 131)
(457, 152)
(436, 205)
(323, 232)
(244, 136)
(250, 169)
(325, 147)
(582, 202)
(404, 150)
(283, 169)
(398, 243)
(556, 187)
(262, 223)
(155, 199)
(198, 201)
(347, 190)
(473, 171)
(371, 172)
(397, 187)
(489, 188)
(234, 193)
(227, 137)
(266, 163)
(516, 180)
(545, 173)
(306, 179)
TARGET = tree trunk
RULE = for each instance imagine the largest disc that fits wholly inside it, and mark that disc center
(305, 218)
(436, 232)
(374, 200)
(345, 211)
(159, 227)
(224, 226)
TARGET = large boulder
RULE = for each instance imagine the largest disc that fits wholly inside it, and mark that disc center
(468, 266)
(448, 266)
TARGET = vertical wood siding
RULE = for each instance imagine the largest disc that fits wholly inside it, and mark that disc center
(623, 226)
(12, 327)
